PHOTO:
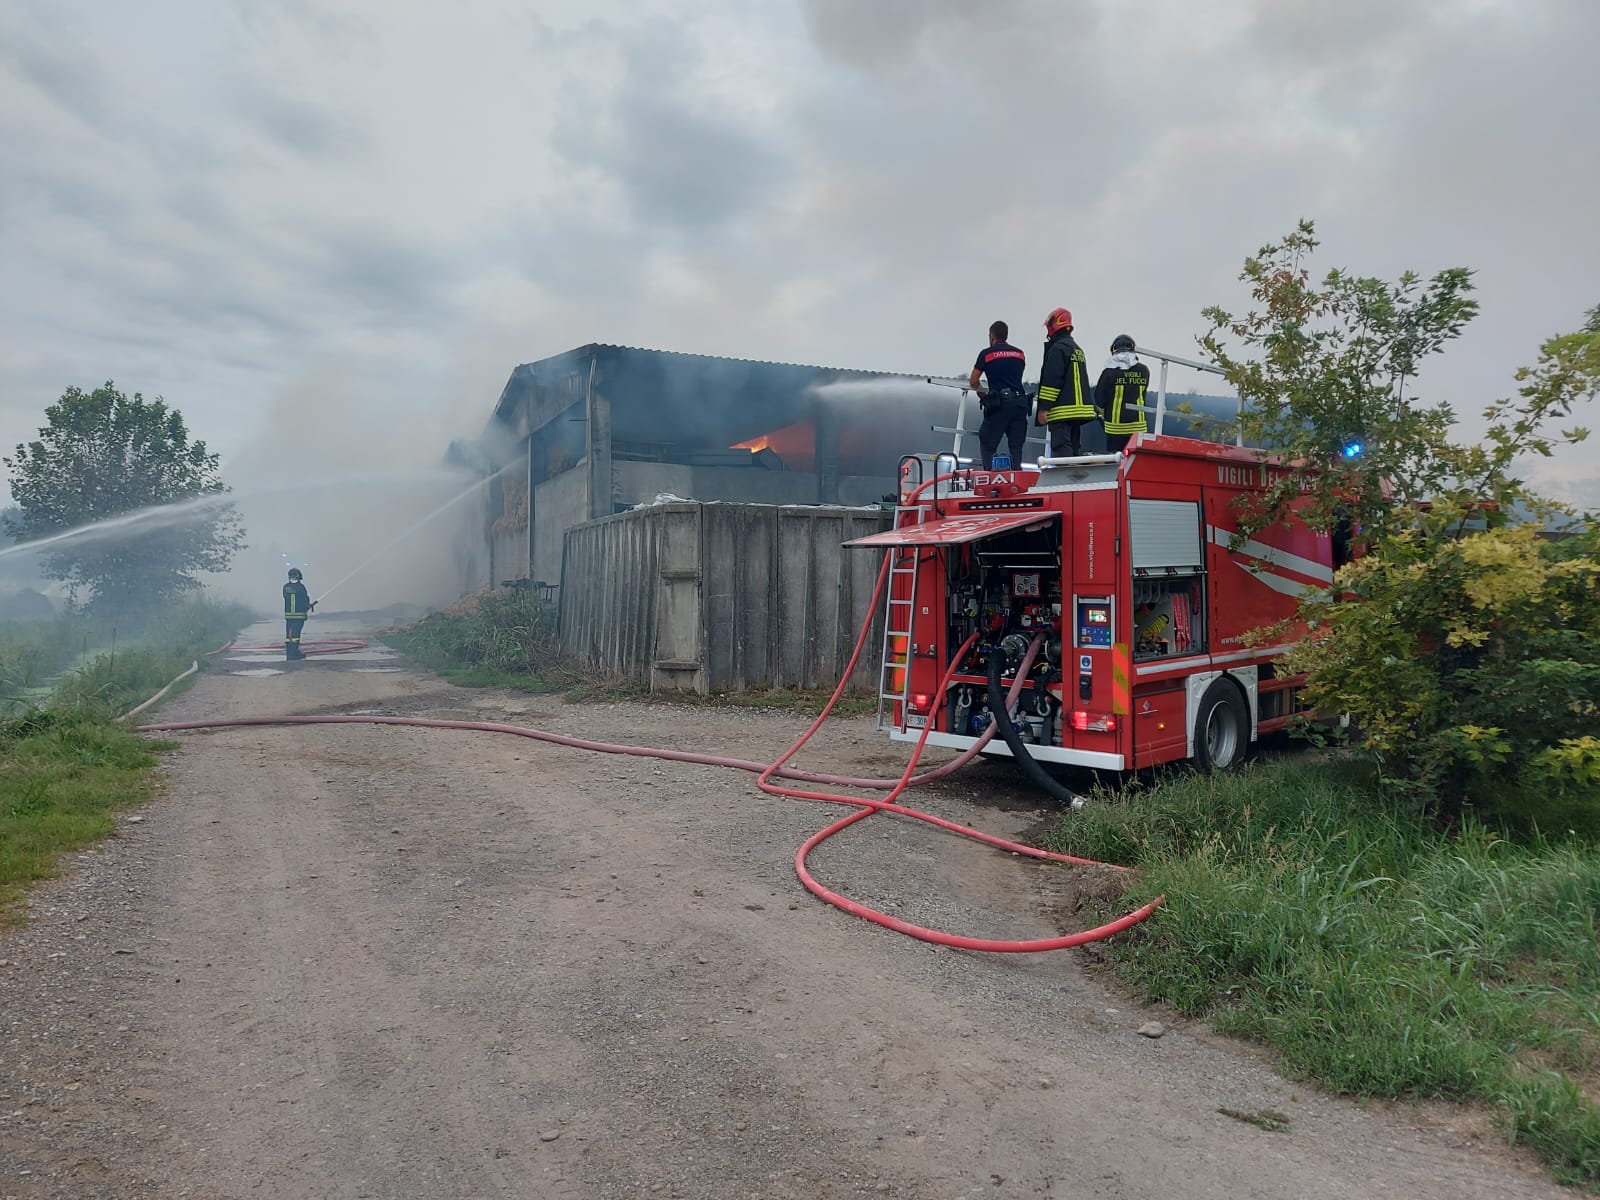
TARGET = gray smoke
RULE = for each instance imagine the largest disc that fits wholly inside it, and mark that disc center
(338, 467)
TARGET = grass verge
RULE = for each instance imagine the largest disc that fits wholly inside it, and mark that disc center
(114, 666)
(66, 767)
(62, 777)
(1377, 957)
(114, 680)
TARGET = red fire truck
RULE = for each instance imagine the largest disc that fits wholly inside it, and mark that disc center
(1123, 569)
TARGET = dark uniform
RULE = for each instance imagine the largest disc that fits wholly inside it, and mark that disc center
(1005, 406)
(1122, 386)
(296, 608)
(1065, 396)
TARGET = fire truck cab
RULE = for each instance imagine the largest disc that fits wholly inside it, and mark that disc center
(1123, 568)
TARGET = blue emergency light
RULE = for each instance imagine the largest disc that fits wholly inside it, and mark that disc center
(1352, 450)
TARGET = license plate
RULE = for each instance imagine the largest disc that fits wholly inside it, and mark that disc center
(916, 722)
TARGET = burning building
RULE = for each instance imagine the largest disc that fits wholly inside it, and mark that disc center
(745, 581)
(600, 429)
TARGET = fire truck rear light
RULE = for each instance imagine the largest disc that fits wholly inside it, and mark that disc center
(921, 702)
(1089, 722)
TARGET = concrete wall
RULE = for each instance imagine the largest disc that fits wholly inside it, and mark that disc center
(715, 597)
(507, 518)
(558, 505)
(865, 489)
(469, 548)
(562, 502)
(641, 482)
(508, 555)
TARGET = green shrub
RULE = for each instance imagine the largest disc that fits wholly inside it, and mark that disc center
(1465, 647)
(1473, 666)
(32, 652)
(497, 637)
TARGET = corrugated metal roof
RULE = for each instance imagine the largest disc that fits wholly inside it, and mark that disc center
(758, 362)
(682, 364)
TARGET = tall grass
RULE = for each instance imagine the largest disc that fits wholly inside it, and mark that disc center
(65, 767)
(114, 680)
(1375, 954)
(78, 655)
(503, 638)
(32, 652)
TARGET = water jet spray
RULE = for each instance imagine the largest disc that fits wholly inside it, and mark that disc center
(164, 515)
(402, 536)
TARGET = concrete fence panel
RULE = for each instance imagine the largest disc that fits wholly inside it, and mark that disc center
(720, 597)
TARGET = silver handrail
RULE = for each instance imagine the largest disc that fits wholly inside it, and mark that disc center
(1166, 360)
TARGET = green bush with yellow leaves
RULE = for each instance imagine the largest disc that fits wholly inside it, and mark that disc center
(1464, 638)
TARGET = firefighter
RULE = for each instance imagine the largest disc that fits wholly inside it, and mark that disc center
(297, 606)
(1119, 394)
(1005, 404)
(1066, 400)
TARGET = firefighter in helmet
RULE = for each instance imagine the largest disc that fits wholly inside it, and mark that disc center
(1119, 394)
(297, 606)
(1066, 399)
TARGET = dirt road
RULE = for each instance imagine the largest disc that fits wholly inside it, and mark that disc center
(379, 962)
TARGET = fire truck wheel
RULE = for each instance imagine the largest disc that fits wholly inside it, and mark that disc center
(1221, 727)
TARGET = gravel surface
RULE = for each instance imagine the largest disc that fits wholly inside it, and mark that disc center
(384, 962)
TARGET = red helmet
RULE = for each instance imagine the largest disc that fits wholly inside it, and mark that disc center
(1059, 319)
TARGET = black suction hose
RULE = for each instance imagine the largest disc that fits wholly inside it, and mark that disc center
(1019, 749)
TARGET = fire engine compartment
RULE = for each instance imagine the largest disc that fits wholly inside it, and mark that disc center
(1104, 584)
(1017, 583)
(1007, 590)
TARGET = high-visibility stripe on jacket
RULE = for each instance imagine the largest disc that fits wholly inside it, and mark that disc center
(1064, 391)
(1117, 392)
(296, 602)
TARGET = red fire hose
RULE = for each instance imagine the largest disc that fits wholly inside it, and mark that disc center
(766, 772)
(327, 646)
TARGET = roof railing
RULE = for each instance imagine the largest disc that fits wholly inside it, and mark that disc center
(1166, 360)
(1158, 414)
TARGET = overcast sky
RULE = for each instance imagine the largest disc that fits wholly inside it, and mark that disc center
(318, 219)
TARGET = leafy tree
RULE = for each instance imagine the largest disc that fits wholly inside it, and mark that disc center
(102, 455)
(1326, 367)
(1465, 644)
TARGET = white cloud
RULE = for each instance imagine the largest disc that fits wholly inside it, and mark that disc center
(229, 204)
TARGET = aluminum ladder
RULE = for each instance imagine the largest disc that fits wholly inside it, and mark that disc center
(898, 619)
